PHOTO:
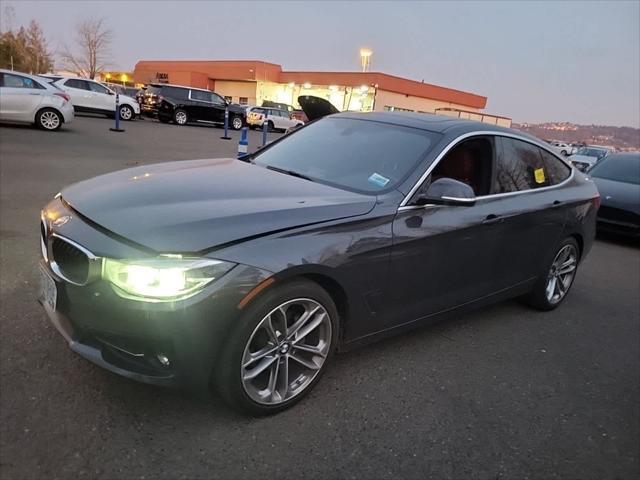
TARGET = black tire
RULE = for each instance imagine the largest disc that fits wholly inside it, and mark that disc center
(564, 153)
(180, 117)
(49, 119)
(538, 297)
(237, 122)
(270, 126)
(227, 376)
(126, 113)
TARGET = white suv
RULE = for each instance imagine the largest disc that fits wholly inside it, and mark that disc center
(93, 97)
(28, 99)
(276, 119)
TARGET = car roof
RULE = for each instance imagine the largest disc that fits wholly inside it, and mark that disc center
(434, 123)
(160, 85)
(42, 81)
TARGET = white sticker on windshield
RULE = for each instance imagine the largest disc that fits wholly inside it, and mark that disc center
(378, 179)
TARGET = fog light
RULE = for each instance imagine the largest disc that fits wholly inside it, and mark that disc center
(163, 359)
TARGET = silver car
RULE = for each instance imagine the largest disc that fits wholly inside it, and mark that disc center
(27, 98)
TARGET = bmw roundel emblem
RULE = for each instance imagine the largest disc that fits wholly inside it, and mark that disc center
(60, 221)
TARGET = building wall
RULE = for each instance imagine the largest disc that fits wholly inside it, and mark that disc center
(408, 102)
(235, 90)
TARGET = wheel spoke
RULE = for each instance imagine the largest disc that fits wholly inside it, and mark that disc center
(270, 330)
(304, 318)
(311, 349)
(309, 327)
(566, 268)
(551, 287)
(261, 367)
(304, 362)
(255, 356)
(273, 381)
(283, 380)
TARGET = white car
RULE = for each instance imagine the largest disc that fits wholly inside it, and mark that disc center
(564, 148)
(93, 97)
(29, 99)
(275, 118)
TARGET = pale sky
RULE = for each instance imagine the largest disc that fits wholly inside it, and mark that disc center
(536, 61)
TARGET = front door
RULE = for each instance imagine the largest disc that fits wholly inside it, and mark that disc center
(443, 256)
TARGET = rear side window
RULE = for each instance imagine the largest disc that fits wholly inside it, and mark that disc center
(96, 87)
(519, 166)
(18, 81)
(201, 96)
(555, 170)
(76, 83)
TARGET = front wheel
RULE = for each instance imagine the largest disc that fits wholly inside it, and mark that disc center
(552, 288)
(279, 349)
(48, 119)
(180, 117)
(126, 112)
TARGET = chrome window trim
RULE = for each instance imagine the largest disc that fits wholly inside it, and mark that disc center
(95, 263)
(483, 133)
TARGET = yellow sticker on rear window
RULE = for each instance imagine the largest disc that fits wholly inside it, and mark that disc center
(539, 174)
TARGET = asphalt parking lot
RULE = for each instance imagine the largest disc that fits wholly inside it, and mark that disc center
(504, 392)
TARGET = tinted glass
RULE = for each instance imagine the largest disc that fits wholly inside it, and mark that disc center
(619, 168)
(75, 83)
(96, 87)
(18, 81)
(215, 98)
(555, 170)
(354, 154)
(152, 90)
(201, 96)
(592, 152)
(519, 166)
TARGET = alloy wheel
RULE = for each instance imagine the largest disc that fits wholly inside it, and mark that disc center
(286, 351)
(562, 273)
(236, 123)
(181, 118)
(125, 113)
(50, 120)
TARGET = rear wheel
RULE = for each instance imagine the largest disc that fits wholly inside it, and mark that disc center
(236, 122)
(180, 117)
(270, 126)
(552, 288)
(280, 348)
(49, 119)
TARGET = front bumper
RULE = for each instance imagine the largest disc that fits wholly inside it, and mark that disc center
(131, 337)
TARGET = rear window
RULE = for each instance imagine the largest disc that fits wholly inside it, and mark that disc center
(358, 155)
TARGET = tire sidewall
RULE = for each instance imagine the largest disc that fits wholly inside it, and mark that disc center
(233, 121)
(175, 115)
(228, 374)
(131, 113)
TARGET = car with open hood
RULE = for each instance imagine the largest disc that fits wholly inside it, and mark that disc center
(247, 275)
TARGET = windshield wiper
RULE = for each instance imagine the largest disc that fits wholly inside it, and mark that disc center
(289, 172)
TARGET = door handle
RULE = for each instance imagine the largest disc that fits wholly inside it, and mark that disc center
(556, 204)
(492, 218)
(34, 94)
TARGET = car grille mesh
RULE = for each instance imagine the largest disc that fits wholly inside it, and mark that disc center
(72, 262)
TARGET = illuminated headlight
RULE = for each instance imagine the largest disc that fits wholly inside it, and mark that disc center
(163, 279)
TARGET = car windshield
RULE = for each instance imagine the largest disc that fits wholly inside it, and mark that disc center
(619, 168)
(592, 152)
(354, 154)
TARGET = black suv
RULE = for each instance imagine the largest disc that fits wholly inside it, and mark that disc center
(186, 104)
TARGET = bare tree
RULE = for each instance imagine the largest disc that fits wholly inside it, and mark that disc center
(93, 39)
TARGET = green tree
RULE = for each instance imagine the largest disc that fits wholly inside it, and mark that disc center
(25, 50)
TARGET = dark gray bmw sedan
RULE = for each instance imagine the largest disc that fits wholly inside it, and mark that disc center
(246, 275)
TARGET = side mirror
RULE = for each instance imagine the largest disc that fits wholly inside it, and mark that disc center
(110, 92)
(447, 191)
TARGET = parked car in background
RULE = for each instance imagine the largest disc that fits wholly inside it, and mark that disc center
(30, 99)
(246, 275)
(182, 105)
(296, 113)
(275, 118)
(93, 97)
(587, 156)
(617, 177)
(563, 148)
(50, 77)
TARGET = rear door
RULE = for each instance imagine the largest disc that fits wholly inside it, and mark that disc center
(21, 97)
(102, 98)
(80, 93)
(533, 208)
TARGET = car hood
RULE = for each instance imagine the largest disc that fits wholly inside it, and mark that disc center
(316, 107)
(191, 206)
(122, 97)
(621, 195)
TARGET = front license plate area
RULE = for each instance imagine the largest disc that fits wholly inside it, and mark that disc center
(48, 289)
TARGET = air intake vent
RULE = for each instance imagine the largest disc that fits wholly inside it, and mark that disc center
(71, 262)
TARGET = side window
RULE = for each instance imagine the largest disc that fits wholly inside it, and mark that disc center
(96, 87)
(519, 167)
(201, 96)
(468, 162)
(18, 81)
(76, 83)
(218, 99)
(555, 169)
